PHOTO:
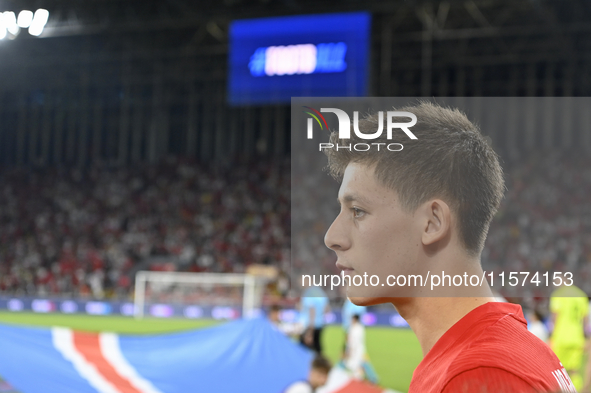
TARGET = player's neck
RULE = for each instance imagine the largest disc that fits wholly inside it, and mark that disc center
(430, 318)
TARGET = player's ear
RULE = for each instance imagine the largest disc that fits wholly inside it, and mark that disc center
(437, 216)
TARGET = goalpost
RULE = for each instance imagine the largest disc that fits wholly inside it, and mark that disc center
(179, 286)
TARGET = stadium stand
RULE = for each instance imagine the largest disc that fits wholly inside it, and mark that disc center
(84, 233)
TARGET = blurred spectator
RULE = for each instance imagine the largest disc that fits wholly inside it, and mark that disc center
(569, 306)
(313, 309)
(355, 353)
(348, 311)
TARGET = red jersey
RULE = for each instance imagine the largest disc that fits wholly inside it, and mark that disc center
(490, 350)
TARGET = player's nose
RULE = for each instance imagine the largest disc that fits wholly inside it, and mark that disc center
(336, 237)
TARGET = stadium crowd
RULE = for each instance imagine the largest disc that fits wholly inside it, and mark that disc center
(545, 220)
(84, 233)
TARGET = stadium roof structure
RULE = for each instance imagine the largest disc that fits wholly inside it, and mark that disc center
(414, 41)
(173, 54)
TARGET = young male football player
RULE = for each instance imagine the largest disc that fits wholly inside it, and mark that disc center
(426, 209)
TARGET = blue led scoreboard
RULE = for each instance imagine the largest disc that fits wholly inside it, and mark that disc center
(274, 59)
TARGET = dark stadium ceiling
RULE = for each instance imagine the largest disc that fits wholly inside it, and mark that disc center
(411, 39)
(510, 25)
(86, 17)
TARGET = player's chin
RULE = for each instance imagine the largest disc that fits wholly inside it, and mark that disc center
(366, 297)
(368, 300)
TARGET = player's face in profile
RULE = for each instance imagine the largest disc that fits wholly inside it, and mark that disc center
(372, 234)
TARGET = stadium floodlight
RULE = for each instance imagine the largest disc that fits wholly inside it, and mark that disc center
(3, 30)
(191, 289)
(10, 23)
(39, 22)
(25, 18)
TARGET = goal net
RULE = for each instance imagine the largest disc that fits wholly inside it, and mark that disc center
(242, 291)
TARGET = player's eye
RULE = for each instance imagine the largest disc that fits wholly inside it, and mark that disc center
(357, 212)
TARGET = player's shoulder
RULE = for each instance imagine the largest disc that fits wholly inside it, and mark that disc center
(506, 340)
(488, 379)
(509, 347)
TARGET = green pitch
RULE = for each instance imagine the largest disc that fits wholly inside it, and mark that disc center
(394, 353)
(116, 324)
